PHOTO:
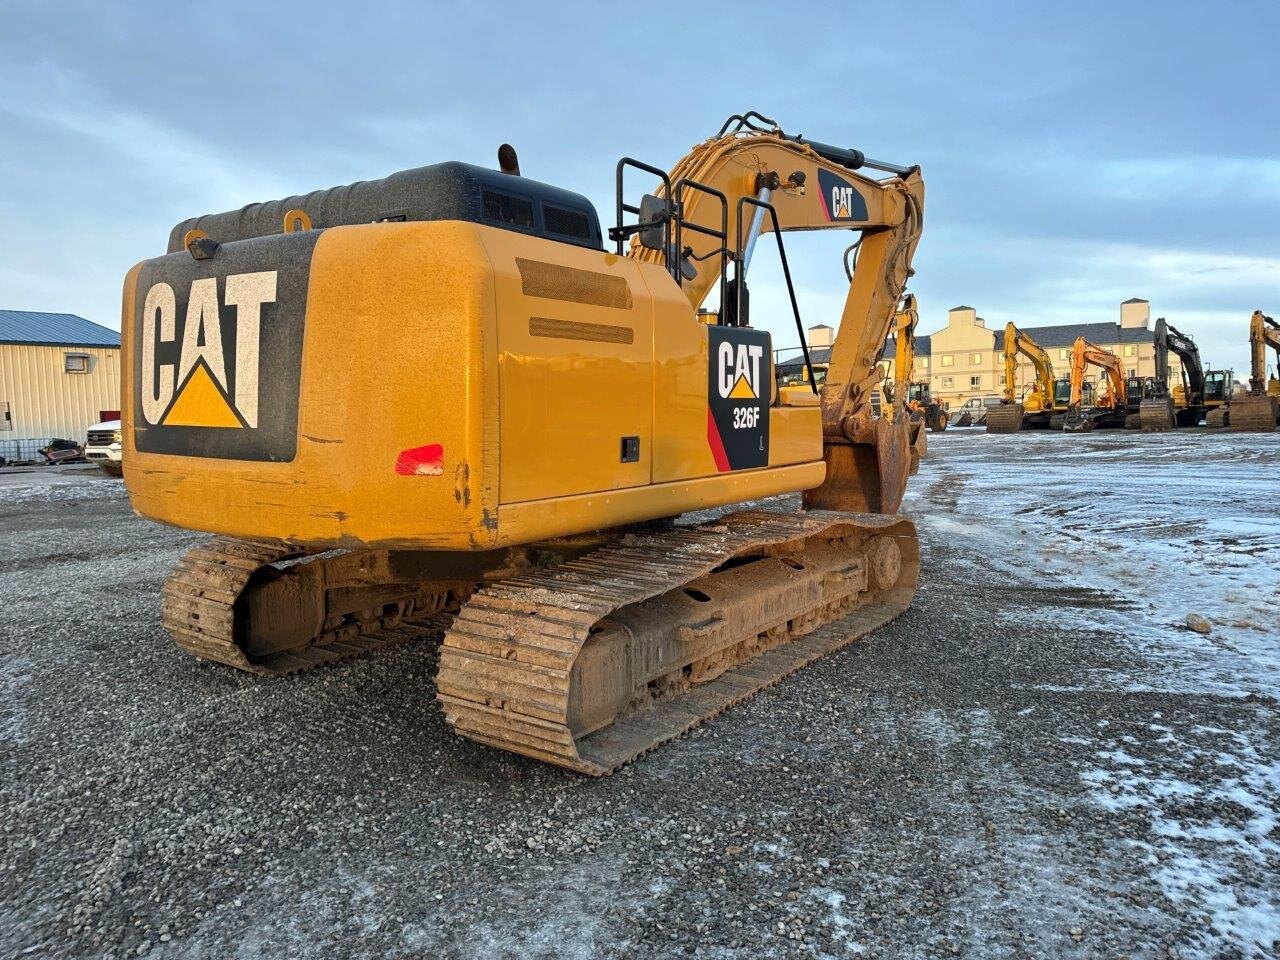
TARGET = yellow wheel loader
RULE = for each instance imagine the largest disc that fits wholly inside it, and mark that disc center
(441, 399)
(1034, 410)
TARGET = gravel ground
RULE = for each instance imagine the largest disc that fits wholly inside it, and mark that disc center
(1037, 760)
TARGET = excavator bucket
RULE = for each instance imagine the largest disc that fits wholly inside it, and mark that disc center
(1006, 418)
(867, 477)
(1156, 414)
(1254, 414)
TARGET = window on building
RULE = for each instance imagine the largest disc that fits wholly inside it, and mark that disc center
(1130, 349)
(1002, 380)
(75, 363)
(1133, 372)
(1064, 354)
(975, 359)
(948, 383)
(948, 360)
(6, 419)
(924, 362)
(975, 383)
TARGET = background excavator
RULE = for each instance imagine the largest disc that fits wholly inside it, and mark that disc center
(439, 399)
(1035, 410)
(1110, 409)
(919, 406)
(1259, 409)
(1184, 406)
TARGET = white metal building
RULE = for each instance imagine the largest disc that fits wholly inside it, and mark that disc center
(59, 374)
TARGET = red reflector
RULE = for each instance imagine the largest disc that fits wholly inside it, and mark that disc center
(425, 461)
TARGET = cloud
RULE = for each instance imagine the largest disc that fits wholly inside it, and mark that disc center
(50, 96)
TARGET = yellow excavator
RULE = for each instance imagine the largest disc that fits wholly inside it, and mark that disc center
(439, 399)
(1110, 409)
(1259, 409)
(904, 397)
(1035, 409)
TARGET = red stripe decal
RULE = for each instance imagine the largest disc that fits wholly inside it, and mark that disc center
(716, 444)
(425, 461)
(822, 199)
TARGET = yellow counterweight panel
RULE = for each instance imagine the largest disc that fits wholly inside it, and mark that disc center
(398, 354)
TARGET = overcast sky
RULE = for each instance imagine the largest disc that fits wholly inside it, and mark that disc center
(1073, 158)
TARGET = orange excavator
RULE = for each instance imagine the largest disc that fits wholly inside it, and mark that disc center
(1110, 409)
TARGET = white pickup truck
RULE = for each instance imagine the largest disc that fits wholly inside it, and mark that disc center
(103, 447)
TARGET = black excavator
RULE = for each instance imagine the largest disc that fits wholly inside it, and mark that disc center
(1162, 408)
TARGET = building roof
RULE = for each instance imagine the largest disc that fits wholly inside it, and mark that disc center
(1064, 334)
(1050, 338)
(823, 355)
(54, 330)
(1135, 300)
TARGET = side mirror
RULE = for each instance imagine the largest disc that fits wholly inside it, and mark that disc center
(655, 213)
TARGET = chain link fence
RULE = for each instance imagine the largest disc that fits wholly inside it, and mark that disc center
(22, 451)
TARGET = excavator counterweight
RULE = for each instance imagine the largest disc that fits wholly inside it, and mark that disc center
(449, 400)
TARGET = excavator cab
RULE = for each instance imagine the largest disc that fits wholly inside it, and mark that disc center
(1217, 386)
(1062, 394)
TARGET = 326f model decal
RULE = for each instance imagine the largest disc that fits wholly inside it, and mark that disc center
(739, 391)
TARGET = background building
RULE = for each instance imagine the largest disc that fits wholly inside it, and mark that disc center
(966, 358)
(59, 374)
